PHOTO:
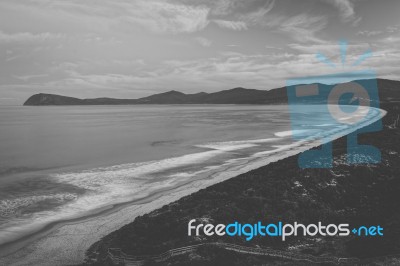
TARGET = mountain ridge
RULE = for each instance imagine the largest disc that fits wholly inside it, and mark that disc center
(239, 95)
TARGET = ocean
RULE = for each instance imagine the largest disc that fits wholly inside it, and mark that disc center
(58, 163)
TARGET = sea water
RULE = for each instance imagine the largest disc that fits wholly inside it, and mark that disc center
(63, 162)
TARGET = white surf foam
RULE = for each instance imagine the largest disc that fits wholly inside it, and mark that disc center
(289, 133)
(96, 179)
(236, 145)
(9, 207)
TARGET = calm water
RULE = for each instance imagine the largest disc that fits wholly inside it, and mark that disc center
(57, 163)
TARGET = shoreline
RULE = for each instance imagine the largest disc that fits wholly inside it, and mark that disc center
(81, 233)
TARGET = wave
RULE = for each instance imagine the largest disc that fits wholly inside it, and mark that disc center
(236, 145)
(107, 186)
(298, 132)
(96, 179)
(10, 207)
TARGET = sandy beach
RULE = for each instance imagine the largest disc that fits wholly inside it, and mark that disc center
(66, 243)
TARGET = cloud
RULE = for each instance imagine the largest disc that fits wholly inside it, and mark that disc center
(345, 7)
(28, 37)
(29, 77)
(224, 7)
(163, 17)
(393, 29)
(156, 15)
(227, 70)
(232, 25)
(243, 20)
(273, 47)
(109, 47)
(220, 8)
(369, 33)
(203, 41)
(304, 27)
(346, 10)
(332, 51)
(388, 30)
(258, 17)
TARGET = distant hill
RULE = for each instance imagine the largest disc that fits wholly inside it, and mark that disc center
(389, 90)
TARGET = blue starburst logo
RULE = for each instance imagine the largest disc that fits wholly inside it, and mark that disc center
(343, 55)
(334, 105)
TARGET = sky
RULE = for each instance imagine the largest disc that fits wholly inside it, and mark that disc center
(135, 48)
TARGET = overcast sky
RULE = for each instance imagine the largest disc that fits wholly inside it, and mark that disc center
(133, 48)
